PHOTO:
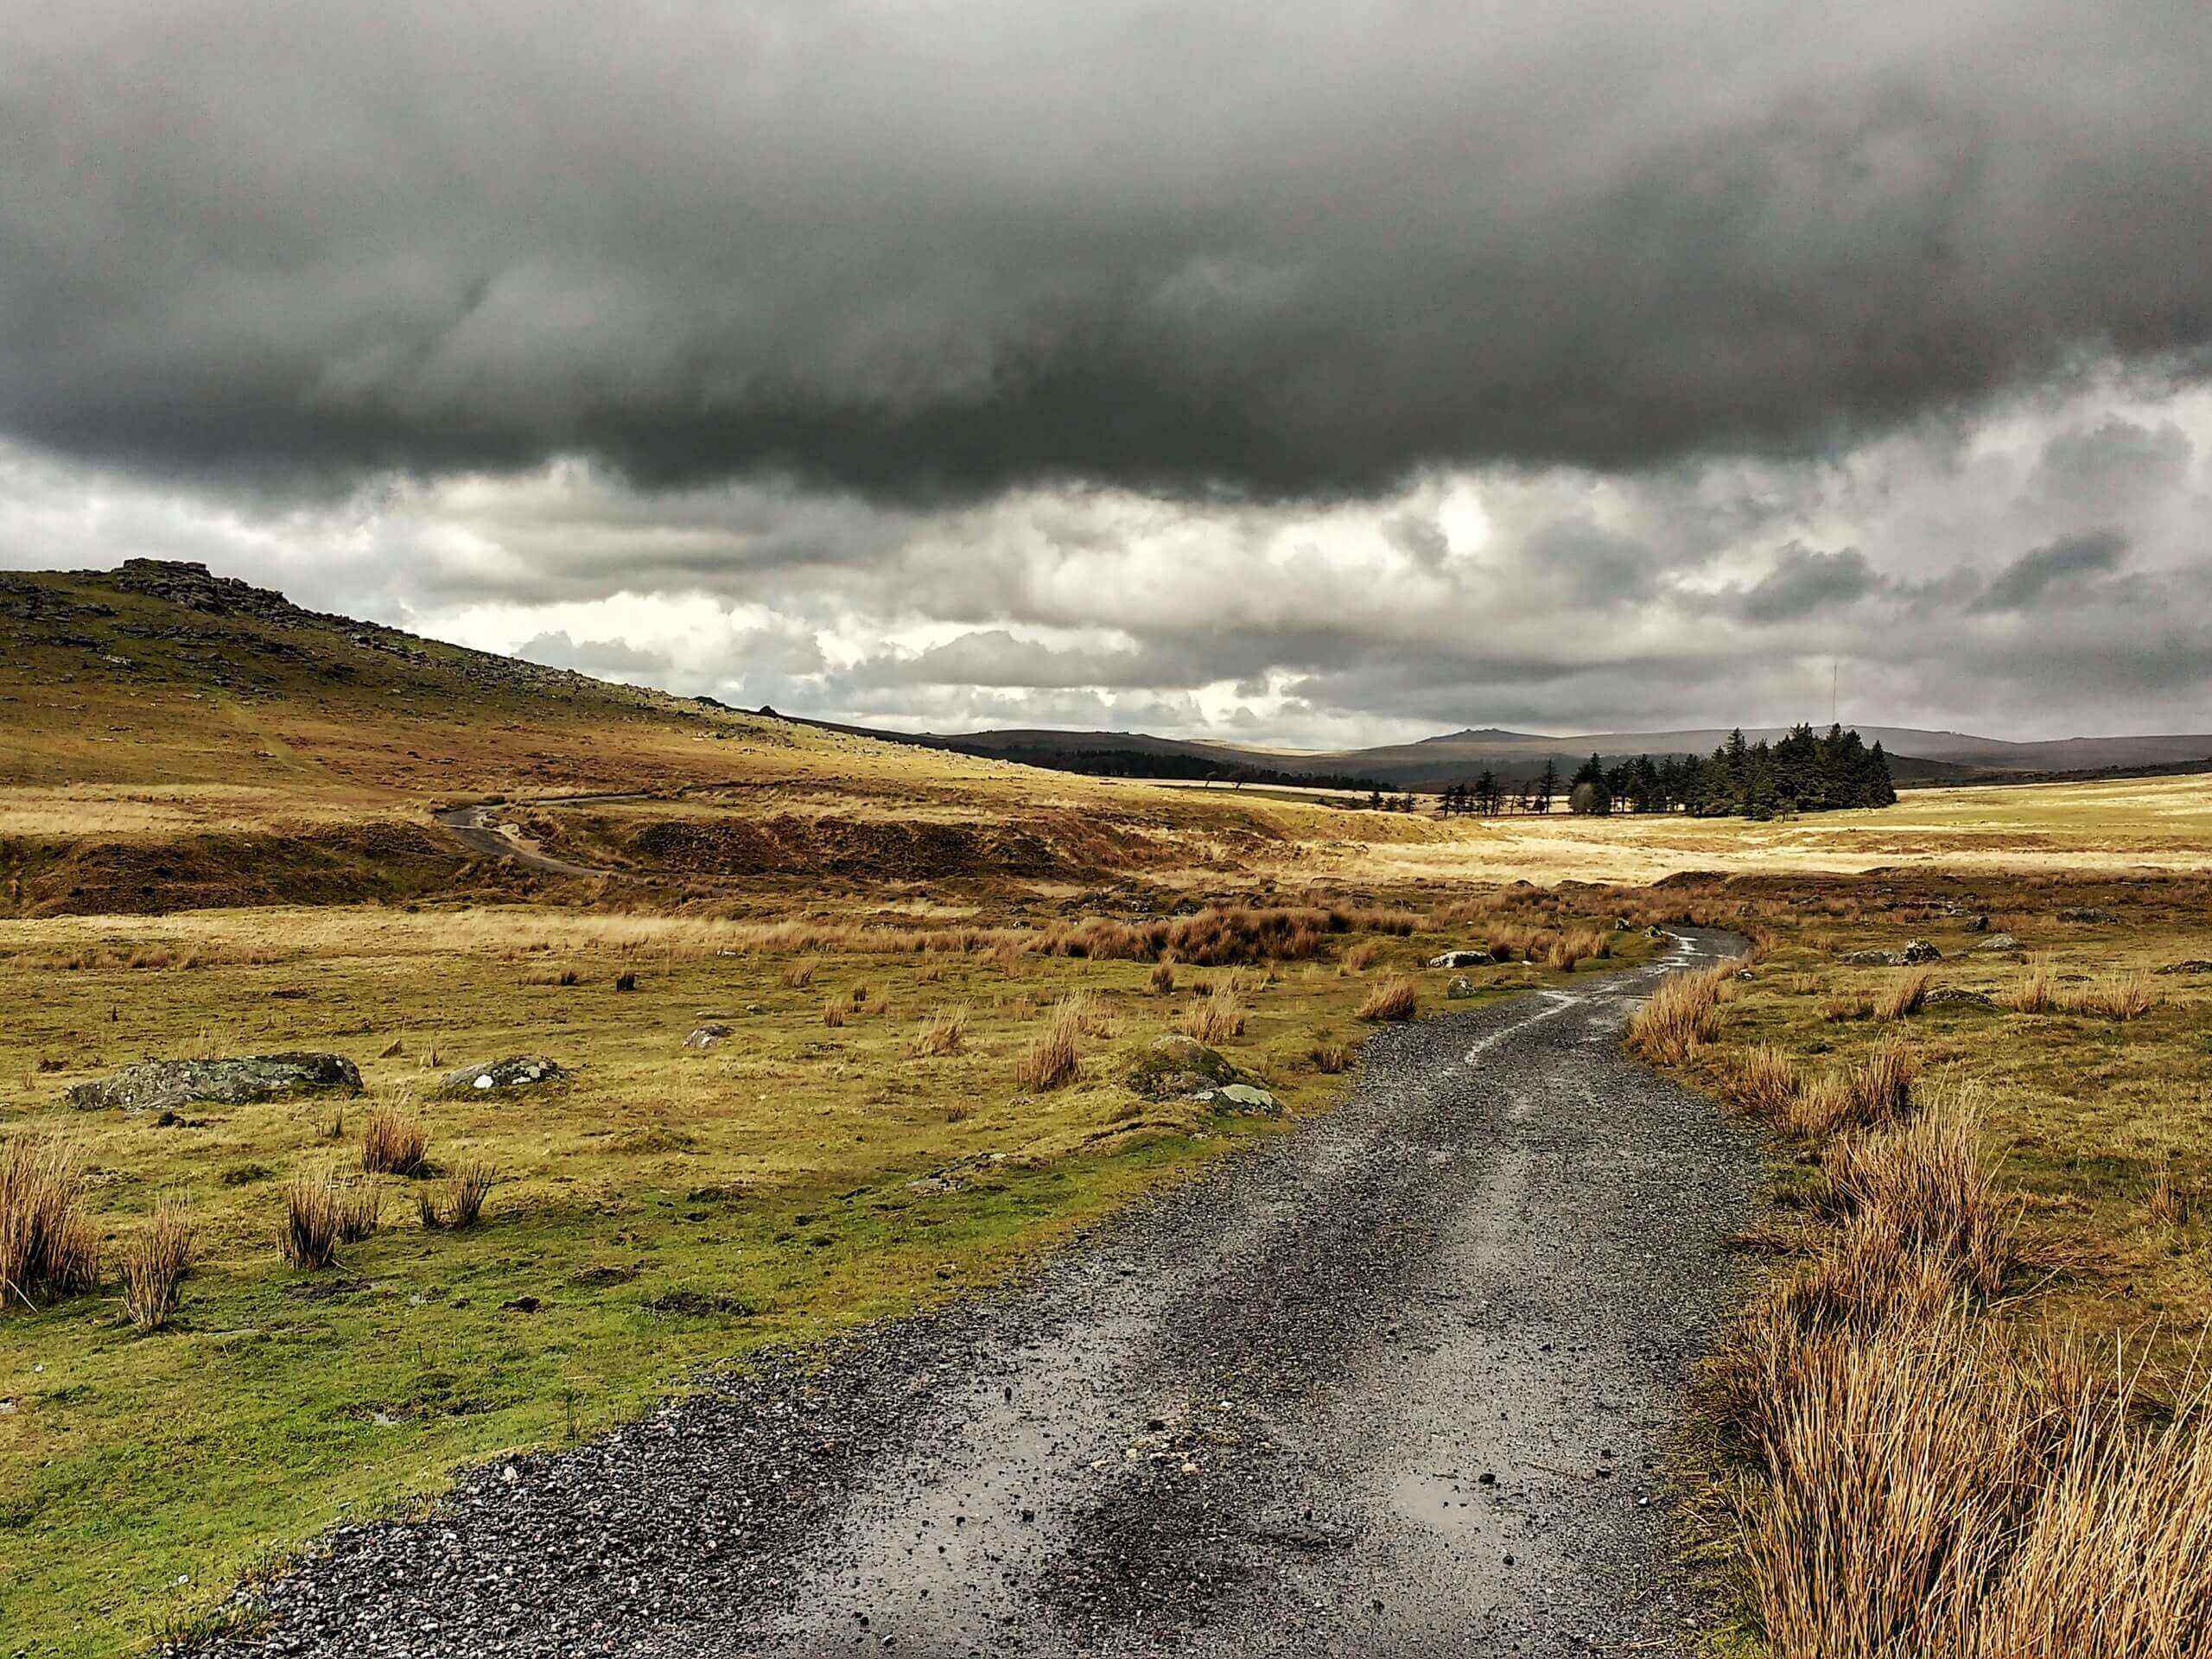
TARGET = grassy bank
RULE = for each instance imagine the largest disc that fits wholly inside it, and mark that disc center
(1967, 1416)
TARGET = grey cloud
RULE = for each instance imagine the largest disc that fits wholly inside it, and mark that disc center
(2056, 564)
(608, 659)
(1803, 582)
(1282, 249)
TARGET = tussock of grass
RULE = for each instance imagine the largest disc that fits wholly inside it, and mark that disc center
(1215, 1019)
(1056, 1057)
(309, 1238)
(1679, 1017)
(1906, 995)
(1762, 1081)
(394, 1142)
(1395, 999)
(1330, 1055)
(1162, 978)
(154, 1265)
(47, 1247)
(836, 1010)
(942, 1033)
(2118, 996)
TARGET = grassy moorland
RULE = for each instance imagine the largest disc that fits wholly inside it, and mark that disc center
(871, 1134)
(216, 837)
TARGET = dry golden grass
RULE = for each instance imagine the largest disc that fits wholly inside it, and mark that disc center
(1398, 998)
(1359, 957)
(394, 1142)
(154, 1265)
(942, 1033)
(1330, 1055)
(836, 1010)
(1056, 1057)
(2170, 1202)
(1679, 1019)
(47, 1246)
(1904, 996)
(1214, 1019)
(800, 974)
(1762, 1081)
(1162, 978)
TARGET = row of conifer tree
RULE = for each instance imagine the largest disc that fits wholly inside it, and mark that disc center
(1805, 772)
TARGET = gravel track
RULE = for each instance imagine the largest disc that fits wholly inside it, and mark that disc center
(1399, 1383)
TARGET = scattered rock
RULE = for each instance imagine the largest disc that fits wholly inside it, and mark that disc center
(1460, 989)
(1977, 924)
(515, 1071)
(2193, 965)
(932, 1186)
(1912, 953)
(1175, 1065)
(1997, 942)
(707, 1035)
(2087, 914)
(1245, 1099)
(521, 1305)
(693, 1304)
(1655, 932)
(1958, 996)
(1481, 958)
(163, 1085)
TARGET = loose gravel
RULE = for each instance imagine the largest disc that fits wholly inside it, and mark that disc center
(1400, 1382)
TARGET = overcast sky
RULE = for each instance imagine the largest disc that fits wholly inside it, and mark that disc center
(1323, 374)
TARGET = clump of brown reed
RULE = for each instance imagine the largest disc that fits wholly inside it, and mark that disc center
(1397, 998)
(1679, 1017)
(942, 1033)
(154, 1263)
(1906, 995)
(47, 1247)
(394, 1142)
(1214, 1019)
(1056, 1057)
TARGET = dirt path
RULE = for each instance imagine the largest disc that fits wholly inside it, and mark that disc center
(1398, 1383)
(475, 828)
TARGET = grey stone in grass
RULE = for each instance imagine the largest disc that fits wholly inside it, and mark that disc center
(1462, 959)
(515, 1071)
(163, 1085)
(1175, 1065)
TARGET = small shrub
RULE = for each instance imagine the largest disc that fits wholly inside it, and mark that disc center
(47, 1247)
(1055, 1058)
(1216, 1019)
(1332, 1056)
(394, 1142)
(154, 1266)
(1395, 999)
(946, 1032)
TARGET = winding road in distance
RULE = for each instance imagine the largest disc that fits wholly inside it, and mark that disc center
(1399, 1382)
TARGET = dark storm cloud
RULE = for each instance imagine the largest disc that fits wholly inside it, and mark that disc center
(2062, 564)
(1803, 582)
(1272, 248)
